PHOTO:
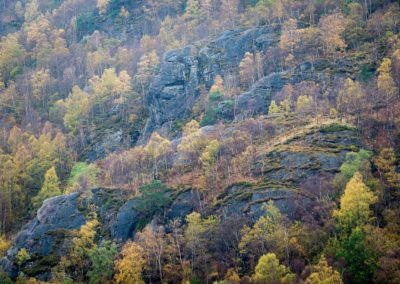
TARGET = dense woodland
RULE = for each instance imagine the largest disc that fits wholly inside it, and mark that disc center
(71, 70)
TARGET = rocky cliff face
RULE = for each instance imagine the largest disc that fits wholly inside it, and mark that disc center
(287, 170)
(183, 71)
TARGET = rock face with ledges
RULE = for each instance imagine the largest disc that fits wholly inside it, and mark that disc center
(313, 157)
(174, 91)
(185, 71)
(222, 56)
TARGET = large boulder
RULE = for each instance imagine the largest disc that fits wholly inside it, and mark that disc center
(57, 213)
(43, 237)
(126, 221)
(128, 218)
(47, 236)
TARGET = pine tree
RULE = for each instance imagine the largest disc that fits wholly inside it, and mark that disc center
(154, 197)
(102, 259)
(360, 259)
(273, 108)
(49, 189)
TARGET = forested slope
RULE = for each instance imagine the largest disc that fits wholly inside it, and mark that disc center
(199, 141)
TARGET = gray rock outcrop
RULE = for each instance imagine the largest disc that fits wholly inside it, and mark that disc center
(125, 223)
(174, 91)
(44, 235)
(287, 171)
(185, 71)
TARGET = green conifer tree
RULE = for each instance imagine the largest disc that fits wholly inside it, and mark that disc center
(49, 189)
(273, 108)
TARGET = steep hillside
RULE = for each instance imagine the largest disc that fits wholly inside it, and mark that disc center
(313, 156)
(199, 141)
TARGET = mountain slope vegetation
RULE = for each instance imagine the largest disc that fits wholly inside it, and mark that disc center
(199, 141)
